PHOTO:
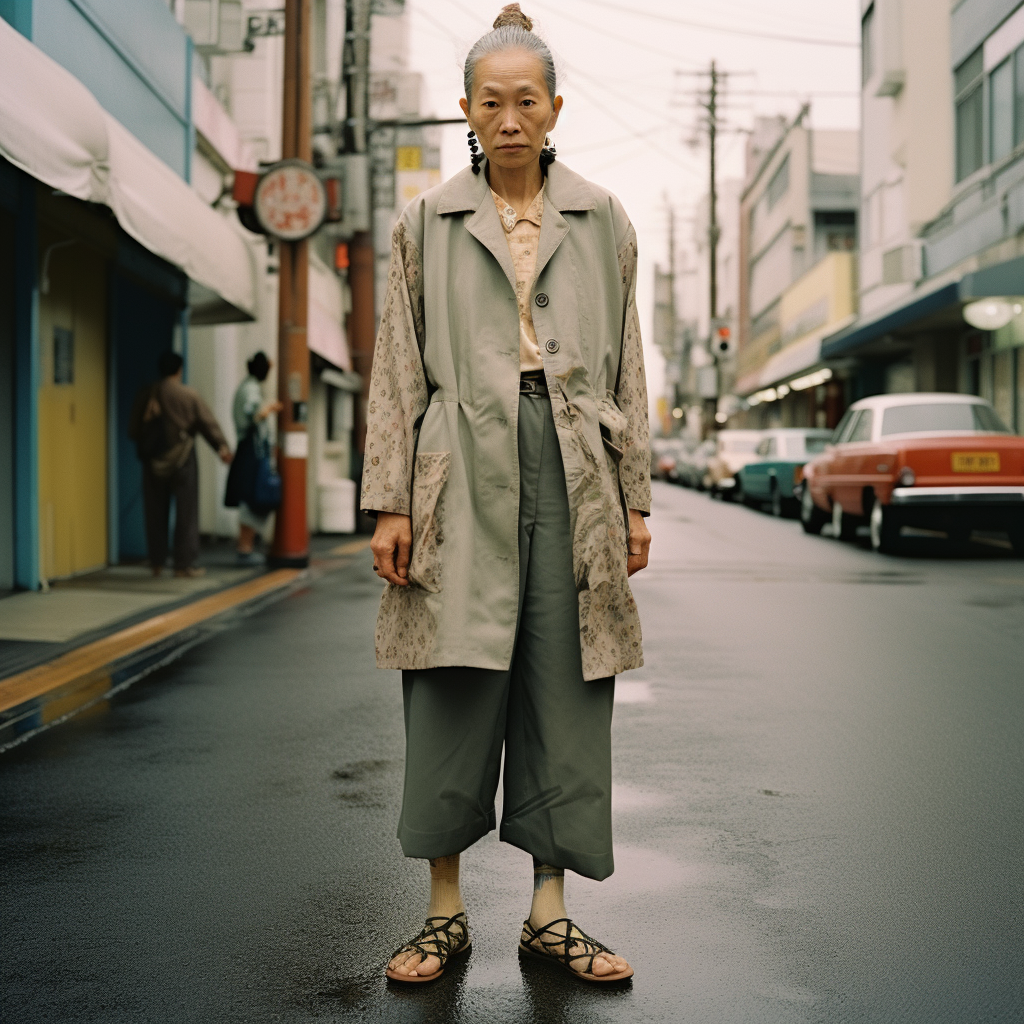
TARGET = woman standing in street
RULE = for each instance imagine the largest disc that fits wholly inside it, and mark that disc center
(251, 414)
(507, 463)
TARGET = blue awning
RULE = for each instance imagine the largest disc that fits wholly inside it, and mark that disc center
(845, 342)
(1002, 279)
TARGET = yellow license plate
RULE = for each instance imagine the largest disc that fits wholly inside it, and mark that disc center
(975, 462)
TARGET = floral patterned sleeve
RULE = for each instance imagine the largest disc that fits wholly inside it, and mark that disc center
(398, 386)
(635, 467)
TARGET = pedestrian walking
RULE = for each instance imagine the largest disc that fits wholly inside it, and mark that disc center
(251, 414)
(507, 464)
(164, 423)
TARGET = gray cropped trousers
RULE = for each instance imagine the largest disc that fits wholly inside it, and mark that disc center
(555, 728)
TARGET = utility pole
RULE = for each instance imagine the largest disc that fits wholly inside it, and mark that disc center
(362, 325)
(672, 263)
(710, 100)
(712, 109)
(291, 535)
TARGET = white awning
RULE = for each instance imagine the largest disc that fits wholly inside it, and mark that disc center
(795, 358)
(158, 209)
(324, 333)
(50, 125)
(54, 129)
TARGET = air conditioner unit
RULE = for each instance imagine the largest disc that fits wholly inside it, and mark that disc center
(216, 26)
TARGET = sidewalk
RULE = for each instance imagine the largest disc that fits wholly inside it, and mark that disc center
(64, 650)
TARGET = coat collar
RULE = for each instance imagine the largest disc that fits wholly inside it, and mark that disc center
(566, 190)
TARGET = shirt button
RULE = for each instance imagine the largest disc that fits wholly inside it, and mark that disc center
(551, 345)
(542, 299)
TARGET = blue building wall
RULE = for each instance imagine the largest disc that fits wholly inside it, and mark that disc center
(131, 54)
(137, 61)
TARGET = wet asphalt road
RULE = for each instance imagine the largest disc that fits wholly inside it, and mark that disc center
(819, 811)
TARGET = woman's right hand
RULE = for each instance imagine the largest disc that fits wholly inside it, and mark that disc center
(391, 547)
(269, 409)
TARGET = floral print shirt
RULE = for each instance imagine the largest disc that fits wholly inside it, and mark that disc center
(523, 235)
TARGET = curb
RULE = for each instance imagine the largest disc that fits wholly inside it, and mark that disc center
(53, 692)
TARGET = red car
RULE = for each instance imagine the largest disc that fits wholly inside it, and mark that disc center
(932, 461)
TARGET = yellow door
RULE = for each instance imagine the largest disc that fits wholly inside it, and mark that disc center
(72, 408)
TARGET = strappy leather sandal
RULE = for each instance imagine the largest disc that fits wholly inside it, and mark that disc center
(443, 937)
(555, 950)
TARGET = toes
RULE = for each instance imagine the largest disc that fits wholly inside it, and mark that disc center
(398, 962)
(608, 963)
(430, 965)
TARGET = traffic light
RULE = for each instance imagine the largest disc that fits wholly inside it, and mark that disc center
(722, 344)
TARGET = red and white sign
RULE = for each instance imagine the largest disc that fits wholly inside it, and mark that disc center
(290, 201)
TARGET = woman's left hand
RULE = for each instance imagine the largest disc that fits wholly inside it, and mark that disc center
(639, 543)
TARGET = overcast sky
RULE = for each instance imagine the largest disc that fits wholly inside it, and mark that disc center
(628, 119)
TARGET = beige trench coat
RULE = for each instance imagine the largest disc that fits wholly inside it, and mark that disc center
(442, 417)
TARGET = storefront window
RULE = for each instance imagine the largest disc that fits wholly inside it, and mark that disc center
(1002, 385)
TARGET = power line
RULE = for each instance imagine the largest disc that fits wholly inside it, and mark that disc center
(725, 29)
(573, 150)
(676, 57)
(435, 22)
(636, 133)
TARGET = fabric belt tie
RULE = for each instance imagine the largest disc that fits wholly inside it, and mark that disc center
(533, 383)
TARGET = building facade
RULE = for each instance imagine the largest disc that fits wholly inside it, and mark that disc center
(123, 127)
(797, 280)
(112, 255)
(943, 103)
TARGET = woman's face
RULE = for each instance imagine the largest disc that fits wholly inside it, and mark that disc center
(511, 109)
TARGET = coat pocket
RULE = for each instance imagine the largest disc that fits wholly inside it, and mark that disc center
(429, 477)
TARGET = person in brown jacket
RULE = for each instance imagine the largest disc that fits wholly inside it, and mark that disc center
(164, 423)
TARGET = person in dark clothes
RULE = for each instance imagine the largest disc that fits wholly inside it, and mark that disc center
(164, 423)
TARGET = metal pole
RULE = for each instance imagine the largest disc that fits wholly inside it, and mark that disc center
(713, 198)
(291, 537)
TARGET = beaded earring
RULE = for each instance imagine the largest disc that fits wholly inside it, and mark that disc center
(548, 153)
(476, 158)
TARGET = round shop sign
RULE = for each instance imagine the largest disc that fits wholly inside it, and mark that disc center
(290, 201)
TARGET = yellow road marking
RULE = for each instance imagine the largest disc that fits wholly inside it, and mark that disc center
(351, 547)
(95, 656)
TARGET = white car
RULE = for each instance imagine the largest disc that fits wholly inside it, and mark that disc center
(734, 449)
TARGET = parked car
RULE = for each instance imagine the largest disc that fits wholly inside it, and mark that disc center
(668, 455)
(781, 455)
(693, 467)
(933, 461)
(733, 450)
(663, 457)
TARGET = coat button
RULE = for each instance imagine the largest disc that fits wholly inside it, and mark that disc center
(542, 299)
(551, 345)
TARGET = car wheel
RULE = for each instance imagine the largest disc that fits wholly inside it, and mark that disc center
(1017, 540)
(777, 509)
(812, 518)
(960, 538)
(885, 529)
(844, 525)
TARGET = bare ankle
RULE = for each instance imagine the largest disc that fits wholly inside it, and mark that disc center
(445, 892)
(548, 894)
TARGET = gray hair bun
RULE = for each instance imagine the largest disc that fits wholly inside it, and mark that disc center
(512, 15)
(512, 30)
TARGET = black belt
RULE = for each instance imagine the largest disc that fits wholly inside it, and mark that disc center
(533, 383)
